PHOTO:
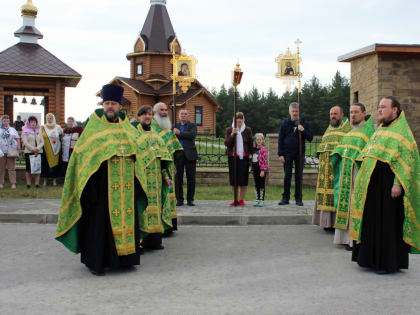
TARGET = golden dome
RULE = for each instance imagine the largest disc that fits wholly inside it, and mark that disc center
(29, 10)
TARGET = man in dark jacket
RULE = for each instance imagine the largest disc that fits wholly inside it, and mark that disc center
(288, 151)
(186, 132)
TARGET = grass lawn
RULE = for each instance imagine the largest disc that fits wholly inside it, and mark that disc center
(203, 192)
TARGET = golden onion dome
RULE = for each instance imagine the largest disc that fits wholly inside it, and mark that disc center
(29, 10)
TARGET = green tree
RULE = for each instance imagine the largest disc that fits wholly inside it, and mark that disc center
(265, 112)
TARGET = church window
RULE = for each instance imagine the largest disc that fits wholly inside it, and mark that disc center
(139, 67)
(199, 115)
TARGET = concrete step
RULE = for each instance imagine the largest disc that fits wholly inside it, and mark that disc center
(206, 212)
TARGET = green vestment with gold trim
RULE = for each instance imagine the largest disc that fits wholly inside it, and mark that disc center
(173, 145)
(325, 183)
(153, 151)
(114, 143)
(343, 162)
(395, 146)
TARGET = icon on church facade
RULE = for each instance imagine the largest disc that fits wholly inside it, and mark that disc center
(185, 67)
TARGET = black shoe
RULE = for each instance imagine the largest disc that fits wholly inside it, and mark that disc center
(348, 248)
(191, 203)
(28, 186)
(179, 203)
(36, 186)
(299, 203)
(330, 229)
(97, 273)
(283, 202)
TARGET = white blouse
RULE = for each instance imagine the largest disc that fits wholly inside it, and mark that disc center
(54, 138)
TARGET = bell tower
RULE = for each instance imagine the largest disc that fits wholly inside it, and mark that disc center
(151, 59)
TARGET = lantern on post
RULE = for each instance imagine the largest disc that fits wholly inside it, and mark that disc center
(236, 80)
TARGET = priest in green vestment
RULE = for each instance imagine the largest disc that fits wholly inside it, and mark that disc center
(104, 190)
(162, 125)
(324, 212)
(385, 207)
(343, 163)
(157, 160)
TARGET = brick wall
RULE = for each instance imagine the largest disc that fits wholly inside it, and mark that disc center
(364, 81)
(376, 76)
(399, 76)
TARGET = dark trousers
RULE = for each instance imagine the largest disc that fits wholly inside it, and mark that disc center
(288, 167)
(182, 163)
(259, 182)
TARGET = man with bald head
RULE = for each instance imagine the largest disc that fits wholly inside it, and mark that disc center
(324, 214)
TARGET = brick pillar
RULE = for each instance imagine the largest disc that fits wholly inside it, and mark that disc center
(276, 168)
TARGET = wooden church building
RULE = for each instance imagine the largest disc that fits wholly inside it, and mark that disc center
(29, 69)
(150, 74)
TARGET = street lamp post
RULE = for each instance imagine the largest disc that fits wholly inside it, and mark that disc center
(237, 77)
(174, 77)
(300, 153)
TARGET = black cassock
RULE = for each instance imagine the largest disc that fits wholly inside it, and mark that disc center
(96, 240)
(382, 247)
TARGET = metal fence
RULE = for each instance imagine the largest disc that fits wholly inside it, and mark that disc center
(20, 160)
(212, 152)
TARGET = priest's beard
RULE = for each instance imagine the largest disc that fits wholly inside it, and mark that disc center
(163, 122)
(335, 123)
(145, 126)
(111, 116)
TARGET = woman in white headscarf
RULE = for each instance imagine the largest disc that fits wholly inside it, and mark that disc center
(9, 146)
(242, 135)
(51, 133)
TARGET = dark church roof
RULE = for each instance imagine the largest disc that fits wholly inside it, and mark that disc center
(138, 85)
(157, 32)
(34, 60)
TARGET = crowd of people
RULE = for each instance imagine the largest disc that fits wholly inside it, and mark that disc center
(124, 180)
(46, 148)
(368, 189)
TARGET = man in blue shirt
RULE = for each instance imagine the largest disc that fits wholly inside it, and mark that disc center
(186, 132)
(288, 151)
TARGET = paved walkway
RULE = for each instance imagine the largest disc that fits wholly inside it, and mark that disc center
(206, 212)
(222, 270)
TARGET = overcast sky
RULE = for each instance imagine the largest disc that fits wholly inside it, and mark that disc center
(94, 36)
